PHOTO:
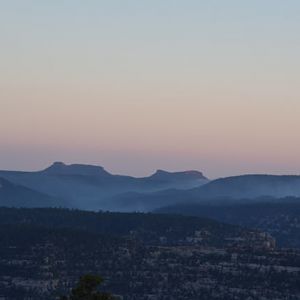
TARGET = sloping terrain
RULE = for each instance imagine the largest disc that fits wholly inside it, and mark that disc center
(239, 189)
(140, 256)
(279, 217)
(251, 186)
(91, 187)
(149, 228)
(13, 195)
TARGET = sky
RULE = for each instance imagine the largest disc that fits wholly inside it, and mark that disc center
(137, 86)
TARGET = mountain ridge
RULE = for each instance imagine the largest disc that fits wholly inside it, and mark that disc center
(92, 187)
(60, 168)
(14, 195)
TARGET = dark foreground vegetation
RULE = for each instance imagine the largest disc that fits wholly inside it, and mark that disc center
(88, 289)
(43, 252)
(279, 217)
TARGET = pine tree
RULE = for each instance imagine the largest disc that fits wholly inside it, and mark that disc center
(87, 289)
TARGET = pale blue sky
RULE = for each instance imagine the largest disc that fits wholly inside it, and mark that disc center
(140, 85)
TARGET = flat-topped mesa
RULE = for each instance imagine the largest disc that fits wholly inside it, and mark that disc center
(59, 168)
(184, 175)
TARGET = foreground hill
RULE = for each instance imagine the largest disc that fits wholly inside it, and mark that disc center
(91, 187)
(279, 217)
(151, 228)
(140, 256)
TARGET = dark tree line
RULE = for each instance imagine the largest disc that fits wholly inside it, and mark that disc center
(88, 289)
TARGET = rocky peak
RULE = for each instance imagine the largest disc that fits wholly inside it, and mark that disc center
(59, 168)
(184, 175)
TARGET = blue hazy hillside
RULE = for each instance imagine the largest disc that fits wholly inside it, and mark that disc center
(252, 186)
(92, 187)
(13, 195)
(245, 188)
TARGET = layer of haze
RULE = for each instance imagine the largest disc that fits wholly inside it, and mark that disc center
(138, 85)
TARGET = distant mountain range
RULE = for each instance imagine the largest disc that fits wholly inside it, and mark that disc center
(251, 186)
(93, 188)
(230, 190)
(87, 186)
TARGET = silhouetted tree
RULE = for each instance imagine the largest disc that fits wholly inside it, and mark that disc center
(87, 289)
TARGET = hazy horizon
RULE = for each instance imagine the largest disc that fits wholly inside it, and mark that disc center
(115, 171)
(137, 86)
